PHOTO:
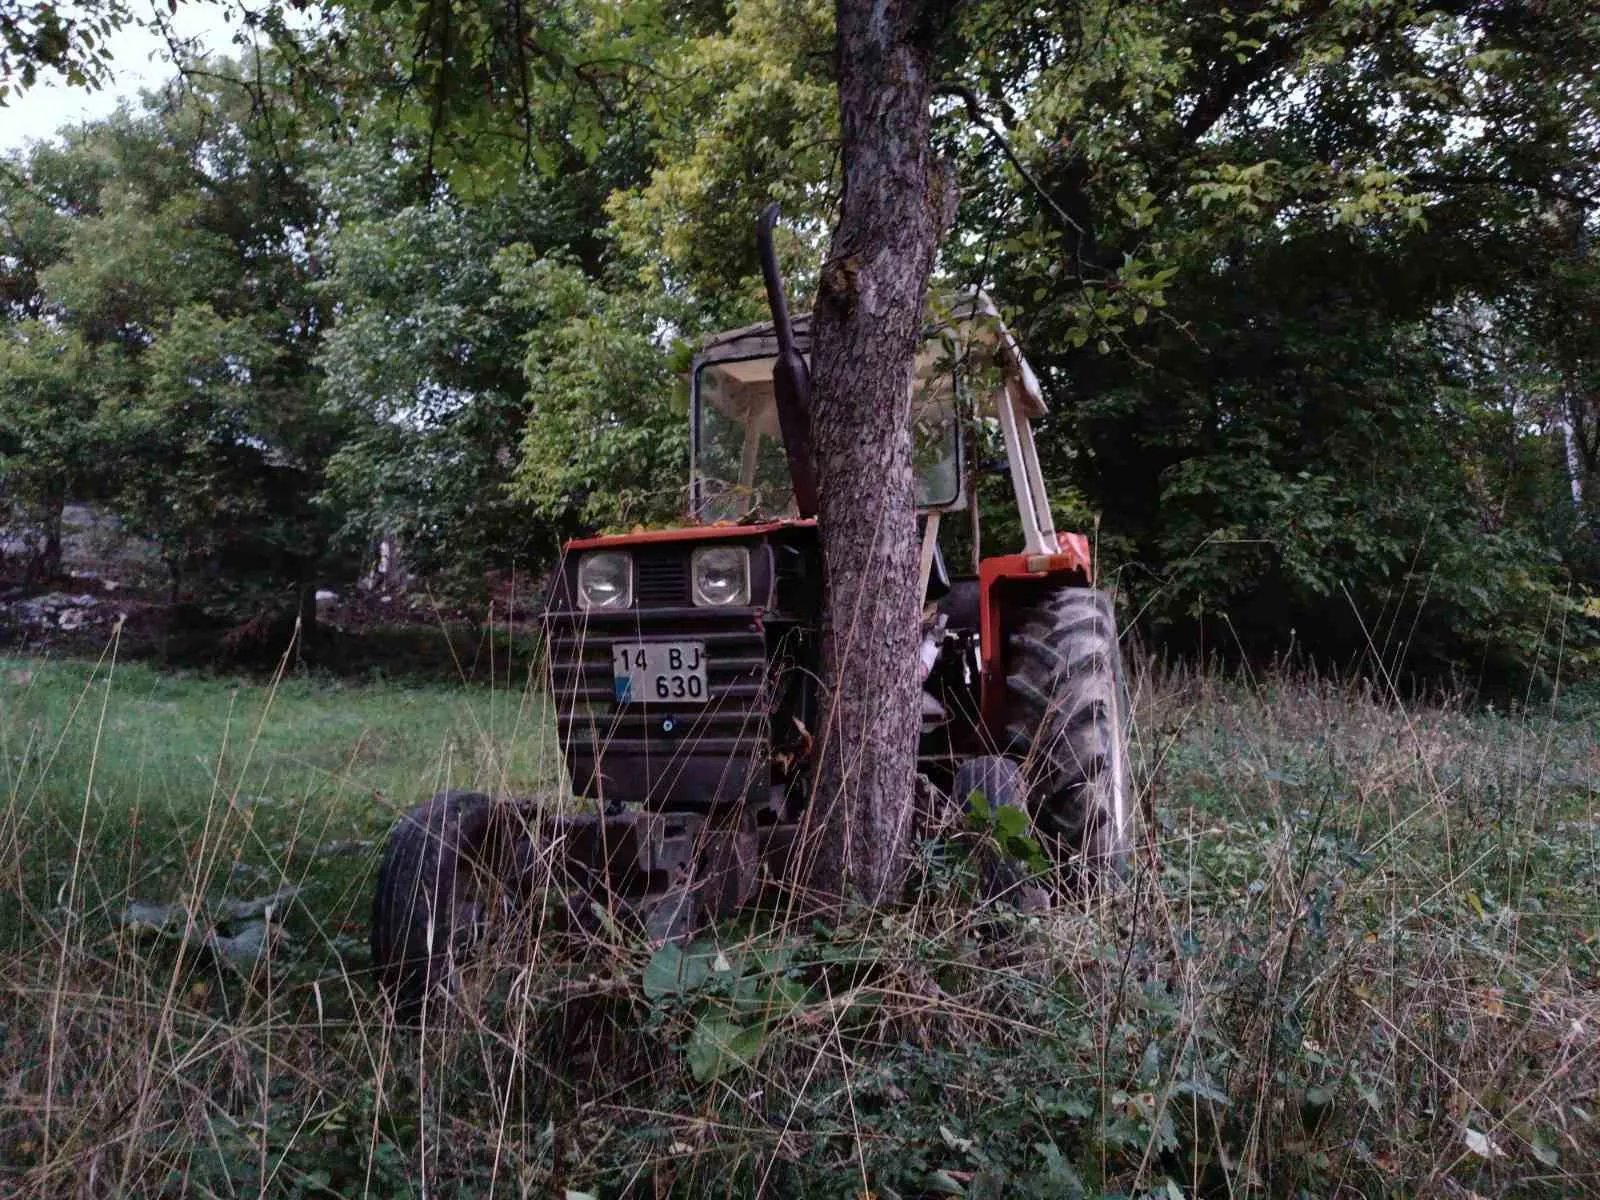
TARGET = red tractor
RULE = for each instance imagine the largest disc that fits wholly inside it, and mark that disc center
(684, 666)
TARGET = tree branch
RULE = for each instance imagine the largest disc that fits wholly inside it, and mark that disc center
(978, 117)
(1241, 77)
(1541, 187)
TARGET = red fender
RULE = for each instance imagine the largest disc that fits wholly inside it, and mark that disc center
(1003, 576)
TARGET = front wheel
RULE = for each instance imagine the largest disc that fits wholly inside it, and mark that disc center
(441, 872)
(999, 782)
(1067, 718)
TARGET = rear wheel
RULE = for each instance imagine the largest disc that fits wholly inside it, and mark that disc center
(1066, 717)
(440, 876)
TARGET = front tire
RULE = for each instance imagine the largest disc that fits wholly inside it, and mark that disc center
(999, 781)
(1067, 719)
(439, 878)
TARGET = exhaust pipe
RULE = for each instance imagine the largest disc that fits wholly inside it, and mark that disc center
(791, 379)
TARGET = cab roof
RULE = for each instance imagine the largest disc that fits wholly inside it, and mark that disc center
(970, 318)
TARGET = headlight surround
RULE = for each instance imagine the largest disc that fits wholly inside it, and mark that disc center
(720, 575)
(605, 579)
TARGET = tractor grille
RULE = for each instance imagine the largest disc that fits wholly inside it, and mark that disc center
(669, 754)
(797, 579)
(661, 579)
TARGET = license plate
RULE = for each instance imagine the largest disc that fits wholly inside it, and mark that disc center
(659, 672)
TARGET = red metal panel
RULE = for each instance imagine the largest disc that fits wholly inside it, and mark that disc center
(1074, 563)
(684, 533)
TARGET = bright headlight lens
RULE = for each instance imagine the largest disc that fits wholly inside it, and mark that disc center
(605, 580)
(721, 575)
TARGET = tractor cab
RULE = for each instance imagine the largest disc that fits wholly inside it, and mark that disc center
(739, 467)
(971, 385)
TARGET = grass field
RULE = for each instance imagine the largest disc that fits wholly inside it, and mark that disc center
(1359, 955)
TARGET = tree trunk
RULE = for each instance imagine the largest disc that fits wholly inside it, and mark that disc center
(867, 325)
(1575, 470)
(306, 610)
(44, 560)
(55, 519)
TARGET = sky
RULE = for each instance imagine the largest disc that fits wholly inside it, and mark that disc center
(140, 59)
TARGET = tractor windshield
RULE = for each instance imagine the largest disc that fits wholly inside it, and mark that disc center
(740, 466)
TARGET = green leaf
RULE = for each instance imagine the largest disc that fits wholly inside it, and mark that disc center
(672, 971)
(1011, 822)
(1060, 1172)
(962, 1145)
(1194, 1087)
(718, 1045)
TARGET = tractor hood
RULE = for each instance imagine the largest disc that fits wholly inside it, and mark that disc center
(685, 533)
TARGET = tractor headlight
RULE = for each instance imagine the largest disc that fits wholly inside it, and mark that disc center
(605, 580)
(721, 575)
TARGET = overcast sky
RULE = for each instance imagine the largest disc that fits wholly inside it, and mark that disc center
(140, 59)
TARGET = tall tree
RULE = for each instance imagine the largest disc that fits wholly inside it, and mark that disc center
(51, 440)
(897, 202)
(173, 252)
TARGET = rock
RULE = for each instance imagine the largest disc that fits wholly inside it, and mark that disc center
(343, 849)
(268, 907)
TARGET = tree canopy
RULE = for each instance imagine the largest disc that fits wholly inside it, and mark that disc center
(1309, 285)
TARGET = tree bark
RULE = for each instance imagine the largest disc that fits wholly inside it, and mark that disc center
(867, 324)
(306, 609)
(44, 563)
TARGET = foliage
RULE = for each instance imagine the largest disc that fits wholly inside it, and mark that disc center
(607, 438)
(172, 247)
(69, 41)
(51, 444)
(481, 395)
(1232, 276)
(1308, 287)
(425, 357)
(1231, 272)
(749, 117)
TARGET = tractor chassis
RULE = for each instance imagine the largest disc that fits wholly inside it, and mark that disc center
(666, 872)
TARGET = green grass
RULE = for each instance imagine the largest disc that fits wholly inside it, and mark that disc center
(170, 785)
(1359, 955)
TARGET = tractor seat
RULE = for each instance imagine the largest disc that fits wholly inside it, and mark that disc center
(962, 606)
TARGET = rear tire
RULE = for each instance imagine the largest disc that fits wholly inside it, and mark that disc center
(1067, 720)
(439, 877)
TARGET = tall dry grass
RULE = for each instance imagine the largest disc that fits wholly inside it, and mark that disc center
(1357, 956)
